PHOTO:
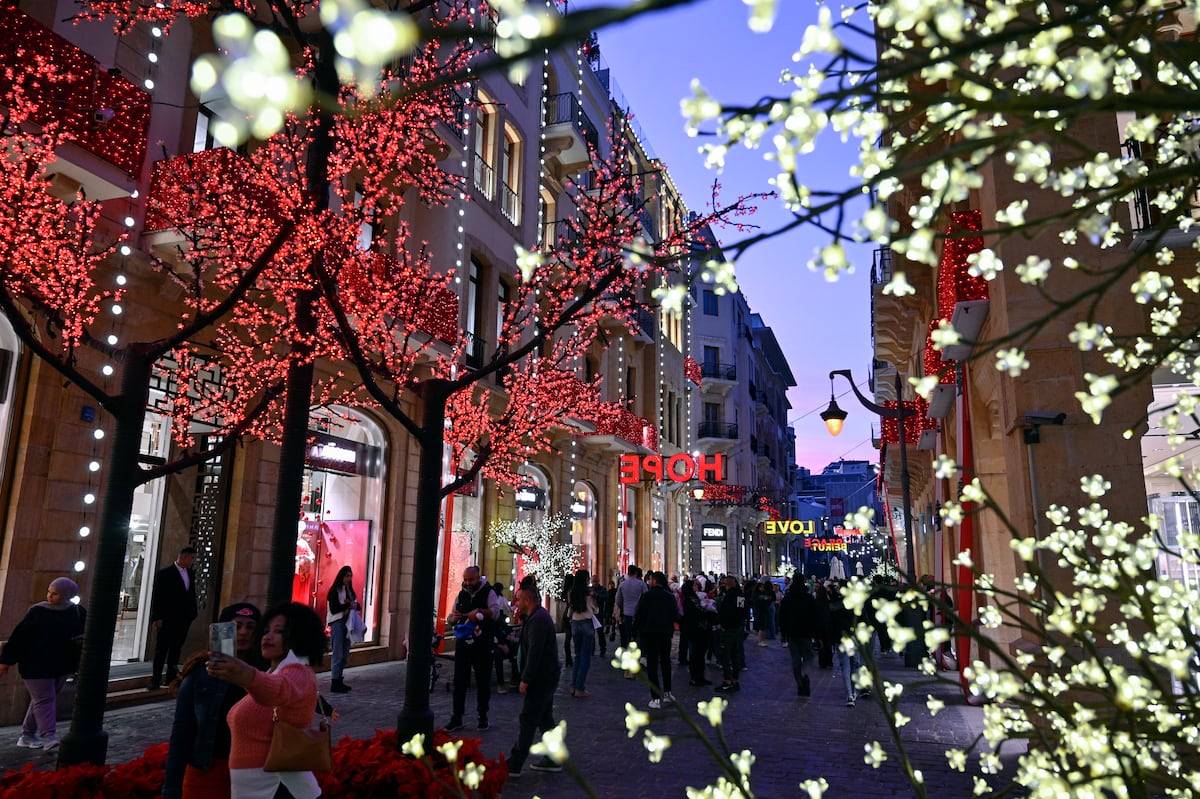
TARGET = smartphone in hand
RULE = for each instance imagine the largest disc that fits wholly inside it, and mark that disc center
(222, 637)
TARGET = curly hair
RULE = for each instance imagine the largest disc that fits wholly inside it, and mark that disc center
(304, 630)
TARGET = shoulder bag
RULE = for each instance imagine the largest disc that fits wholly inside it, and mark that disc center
(295, 749)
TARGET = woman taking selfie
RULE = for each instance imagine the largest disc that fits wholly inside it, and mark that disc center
(293, 639)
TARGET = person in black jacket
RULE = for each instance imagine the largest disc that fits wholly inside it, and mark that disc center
(654, 627)
(695, 622)
(476, 611)
(45, 647)
(731, 621)
(172, 610)
(797, 622)
(198, 757)
(539, 680)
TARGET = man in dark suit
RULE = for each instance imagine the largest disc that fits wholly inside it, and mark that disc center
(539, 681)
(172, 609)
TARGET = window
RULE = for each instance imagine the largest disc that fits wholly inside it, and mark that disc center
(473, 337)
(510, 176)
(203, 140)
(485, 147)
(710, 303)
(366, 231)
(712, 413)
(503, 294)
(712, 357)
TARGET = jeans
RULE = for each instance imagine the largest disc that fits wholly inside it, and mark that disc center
(657, 647)
(849, 662)
(626, 630)
(801, 650)
(43, 706)
(537, 713)
(584, 640)
(340, 641)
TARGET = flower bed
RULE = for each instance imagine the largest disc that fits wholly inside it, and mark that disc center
(362, 768)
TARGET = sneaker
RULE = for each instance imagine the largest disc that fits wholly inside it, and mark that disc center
(514, 775)
(454, 724)
(545, 764)
(500, 689)
(30, 741)
(655, 704)
(668, 697)
(725, 688)
(850, 701)
(483, 723)
(863, 693)
(49, 742)
(763, 643)
(580, 694)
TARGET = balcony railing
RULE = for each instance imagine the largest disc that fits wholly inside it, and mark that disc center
(473, 347)
(565, 109)
(559, 233)
(718, 371)
(485, 178)
(510, 204)
(718, 430)
(104, 113)
(881, 266)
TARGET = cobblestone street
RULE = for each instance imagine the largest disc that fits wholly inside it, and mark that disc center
(793, 738)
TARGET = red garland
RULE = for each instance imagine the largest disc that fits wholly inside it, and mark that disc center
(933, 359)
(955, 284)
(691, 370)
(913, 425)
(64, 84)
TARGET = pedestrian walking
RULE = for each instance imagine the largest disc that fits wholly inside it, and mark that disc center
(654, 622)
(797, 622)
(293, 640)
(695, 623)
(45, 647)
(473, 618)
(842, 622)
(581, 606)
(198, 754)
(600, 595)
(731, 623)
(341, 600)
(172, 610)
(539, 680)
(628, 593)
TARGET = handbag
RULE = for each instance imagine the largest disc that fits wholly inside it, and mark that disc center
(294, 749)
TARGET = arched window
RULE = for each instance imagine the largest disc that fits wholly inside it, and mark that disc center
(583, 526)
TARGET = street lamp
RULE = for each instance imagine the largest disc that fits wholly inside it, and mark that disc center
(834, 417)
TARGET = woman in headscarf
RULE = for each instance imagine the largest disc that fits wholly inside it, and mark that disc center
(45, 647)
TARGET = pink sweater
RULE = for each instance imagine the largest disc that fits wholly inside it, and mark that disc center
(293, 689)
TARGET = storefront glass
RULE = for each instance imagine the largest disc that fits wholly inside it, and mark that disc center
(583, 526)
(342, 505)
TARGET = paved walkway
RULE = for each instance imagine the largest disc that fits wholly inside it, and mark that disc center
(793, 738)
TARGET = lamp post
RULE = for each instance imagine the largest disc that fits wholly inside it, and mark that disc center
(834, 417)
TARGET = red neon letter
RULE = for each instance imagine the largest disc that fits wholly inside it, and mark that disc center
(629, 468)
(688, 463)
(654, 465)
(712, 465)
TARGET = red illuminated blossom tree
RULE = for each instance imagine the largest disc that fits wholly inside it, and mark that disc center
(273, 282)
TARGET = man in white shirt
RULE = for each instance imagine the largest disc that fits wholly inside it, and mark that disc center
(172, 610)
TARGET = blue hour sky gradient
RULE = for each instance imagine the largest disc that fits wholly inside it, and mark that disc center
(820, 325)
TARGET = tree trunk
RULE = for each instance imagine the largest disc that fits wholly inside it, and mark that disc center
(87, 742)
(415, 715)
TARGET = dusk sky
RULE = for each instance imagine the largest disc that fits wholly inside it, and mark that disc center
(821, 326)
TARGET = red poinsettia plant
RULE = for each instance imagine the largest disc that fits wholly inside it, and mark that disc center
(362, 769)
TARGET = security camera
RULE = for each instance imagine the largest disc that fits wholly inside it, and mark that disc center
(1044, 417)
(103, 115)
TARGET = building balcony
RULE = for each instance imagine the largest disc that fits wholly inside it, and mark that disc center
(891, 316)
(718, 378)
(569, 136)
(620, 430)
(1150, 226)
(105, 116)
(474, 347)
(510, 203)
(484, 177)
(942, 399)
(187, 191)
(717, 435)
(962, 297)
(559, 234)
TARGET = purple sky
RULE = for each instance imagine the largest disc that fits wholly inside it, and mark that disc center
(821, 326)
